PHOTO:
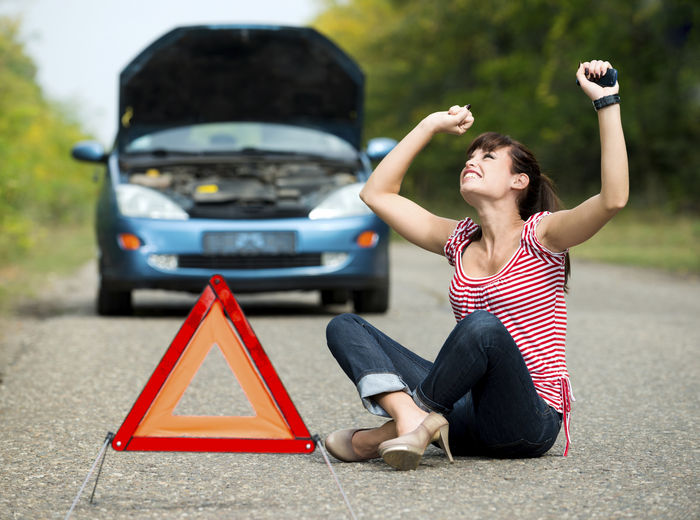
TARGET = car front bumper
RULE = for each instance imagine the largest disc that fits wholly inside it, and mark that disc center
(171, 256)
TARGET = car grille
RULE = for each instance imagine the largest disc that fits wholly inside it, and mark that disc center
(249, 261)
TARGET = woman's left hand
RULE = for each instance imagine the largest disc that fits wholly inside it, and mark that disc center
(564, 229)
(595, 69)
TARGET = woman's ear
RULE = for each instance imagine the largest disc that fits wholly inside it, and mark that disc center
(520, 181)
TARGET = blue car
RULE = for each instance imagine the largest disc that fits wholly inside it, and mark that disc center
(239, 153)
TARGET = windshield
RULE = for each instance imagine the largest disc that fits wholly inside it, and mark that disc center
(242, 137)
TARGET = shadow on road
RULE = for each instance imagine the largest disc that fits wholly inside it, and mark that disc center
(255, 308)
(44, 309)
(156, 304)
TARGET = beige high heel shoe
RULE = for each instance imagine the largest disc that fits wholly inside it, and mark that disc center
(406, 451)
(339, 443)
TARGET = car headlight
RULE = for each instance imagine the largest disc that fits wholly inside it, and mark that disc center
(344, 202)
(137, 201)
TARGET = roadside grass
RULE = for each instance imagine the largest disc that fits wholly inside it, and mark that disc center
(647, 239)
(55, 252)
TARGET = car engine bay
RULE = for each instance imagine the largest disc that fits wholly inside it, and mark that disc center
(245, 189)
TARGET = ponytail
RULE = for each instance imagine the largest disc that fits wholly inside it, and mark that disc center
(543, 197)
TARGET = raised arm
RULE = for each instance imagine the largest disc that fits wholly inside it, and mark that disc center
(568, 228)
(381, 192)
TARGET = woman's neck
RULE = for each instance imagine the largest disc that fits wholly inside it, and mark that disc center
(499, 225)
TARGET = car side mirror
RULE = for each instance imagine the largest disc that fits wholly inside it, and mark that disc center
(89, 151)
(379, 147)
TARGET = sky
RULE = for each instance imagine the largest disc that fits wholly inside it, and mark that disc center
(80, 46)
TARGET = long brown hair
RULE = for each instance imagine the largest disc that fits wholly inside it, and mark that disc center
(540, 194)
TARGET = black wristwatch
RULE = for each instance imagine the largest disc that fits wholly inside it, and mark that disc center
(606, 101)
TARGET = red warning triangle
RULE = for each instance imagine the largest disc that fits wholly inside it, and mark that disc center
(215, 322)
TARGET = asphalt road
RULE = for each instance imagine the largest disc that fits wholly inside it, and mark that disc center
(69, 376)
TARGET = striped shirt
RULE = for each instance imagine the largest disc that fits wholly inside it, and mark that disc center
(527, 296)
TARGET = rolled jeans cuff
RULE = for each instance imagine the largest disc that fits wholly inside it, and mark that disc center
(375, 384)
(426, 404)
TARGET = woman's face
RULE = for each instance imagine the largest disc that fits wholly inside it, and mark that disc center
(486, 174)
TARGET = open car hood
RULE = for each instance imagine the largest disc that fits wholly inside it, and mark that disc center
(206, 74)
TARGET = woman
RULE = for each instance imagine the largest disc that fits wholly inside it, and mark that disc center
(499, 384)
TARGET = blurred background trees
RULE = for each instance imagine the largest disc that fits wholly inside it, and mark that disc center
(40, 185)
(515, 63)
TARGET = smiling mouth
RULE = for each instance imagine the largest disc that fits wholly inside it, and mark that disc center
(470, 174)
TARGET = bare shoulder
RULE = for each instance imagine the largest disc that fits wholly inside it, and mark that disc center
(543, 230)
(567, 228)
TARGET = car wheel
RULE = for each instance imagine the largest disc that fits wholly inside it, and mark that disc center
(334, 297)
(113, 303)
(371, 300)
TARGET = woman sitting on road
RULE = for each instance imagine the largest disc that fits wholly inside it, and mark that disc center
(499, 382)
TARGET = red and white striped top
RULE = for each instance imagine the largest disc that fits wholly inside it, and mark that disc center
(527, 296)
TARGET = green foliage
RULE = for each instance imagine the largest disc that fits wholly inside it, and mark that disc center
(647, 239)
(515, 63)
(40, 185)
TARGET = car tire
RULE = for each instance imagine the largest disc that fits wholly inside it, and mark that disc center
(371, 300)
(334, 297)
(113, 303)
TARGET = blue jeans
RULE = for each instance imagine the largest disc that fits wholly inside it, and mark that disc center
(478, 381)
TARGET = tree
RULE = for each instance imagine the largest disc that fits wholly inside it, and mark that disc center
(40, 184)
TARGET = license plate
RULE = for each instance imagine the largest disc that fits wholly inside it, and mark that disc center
(249, 242)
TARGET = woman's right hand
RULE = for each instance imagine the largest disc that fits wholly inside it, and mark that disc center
(382, 190)
(457, 120)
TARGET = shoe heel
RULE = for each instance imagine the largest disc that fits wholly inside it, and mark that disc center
(443, 441)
